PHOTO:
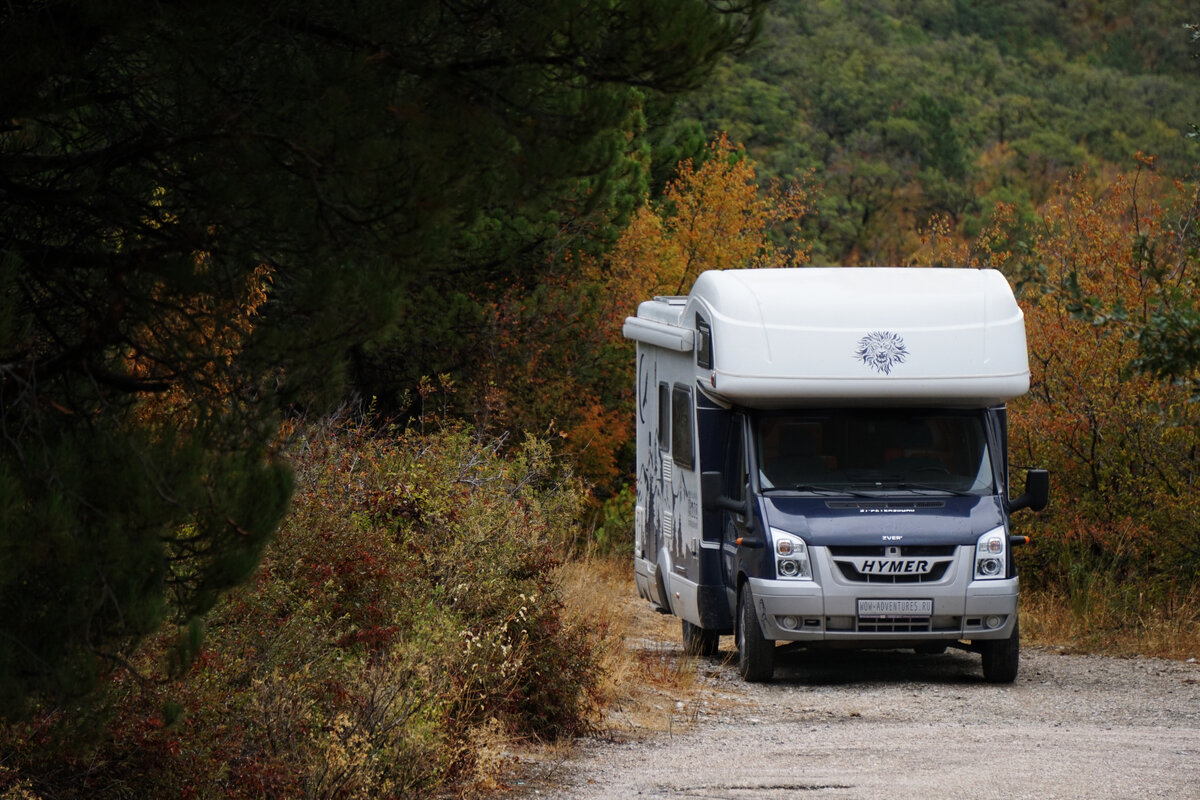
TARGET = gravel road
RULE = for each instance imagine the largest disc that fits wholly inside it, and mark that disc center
(900, 725)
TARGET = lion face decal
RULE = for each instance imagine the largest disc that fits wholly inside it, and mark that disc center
(881, 350)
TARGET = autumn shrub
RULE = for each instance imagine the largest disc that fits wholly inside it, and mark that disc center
(1123, 444)
(408, 611)
(1095, 272)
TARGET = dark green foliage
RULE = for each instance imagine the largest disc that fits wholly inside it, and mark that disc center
(1170, 343)
(205, 207)
(108, 532)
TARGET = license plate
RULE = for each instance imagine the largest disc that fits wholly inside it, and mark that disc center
(895, 608)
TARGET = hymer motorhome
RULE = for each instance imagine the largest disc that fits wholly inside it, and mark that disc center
(822, 460)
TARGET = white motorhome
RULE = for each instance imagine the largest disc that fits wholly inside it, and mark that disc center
(822, 459)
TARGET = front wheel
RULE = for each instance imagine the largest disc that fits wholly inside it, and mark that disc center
(1001, 657)
(699, 642)
(756, 653)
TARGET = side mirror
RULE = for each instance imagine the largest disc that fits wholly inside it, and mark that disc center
(712, 494)
(1037, 491)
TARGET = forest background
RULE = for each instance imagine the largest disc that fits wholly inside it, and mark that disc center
(217, 227)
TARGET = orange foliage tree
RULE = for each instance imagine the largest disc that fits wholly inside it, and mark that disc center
(712, 216)
(1122, 441)
(555, 356)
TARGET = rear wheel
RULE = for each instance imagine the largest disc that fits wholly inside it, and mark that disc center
(1001, 657)
(699, 642)
(756, 654)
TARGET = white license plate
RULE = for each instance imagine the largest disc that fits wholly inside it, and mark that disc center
(895, 608)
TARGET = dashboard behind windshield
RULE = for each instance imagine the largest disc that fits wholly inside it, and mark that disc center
(869, 450)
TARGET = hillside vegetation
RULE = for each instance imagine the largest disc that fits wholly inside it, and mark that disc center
(909, 108)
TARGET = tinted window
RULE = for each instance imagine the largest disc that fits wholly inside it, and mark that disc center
(704, 348)
(735, 469)
(664, 417)
(682, 447)
(882, 450)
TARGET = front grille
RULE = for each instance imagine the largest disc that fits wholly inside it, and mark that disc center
(940, 556)
(895, 625)
(848, 623)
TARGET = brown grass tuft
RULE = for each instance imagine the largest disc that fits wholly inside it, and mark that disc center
(1113, 623)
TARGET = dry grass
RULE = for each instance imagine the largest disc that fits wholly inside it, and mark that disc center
(646, 675)
(648, 685)
(1107, 623)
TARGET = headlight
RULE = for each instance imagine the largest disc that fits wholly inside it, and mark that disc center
(791, 556)
(991, 555)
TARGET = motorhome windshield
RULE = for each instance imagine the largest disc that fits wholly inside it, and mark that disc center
(878, 450)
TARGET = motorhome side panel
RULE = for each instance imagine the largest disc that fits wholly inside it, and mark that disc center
(646, 512)
(667, 541)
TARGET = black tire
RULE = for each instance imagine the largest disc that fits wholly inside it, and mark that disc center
(699, 642)
(756, 654)
(1002, 657)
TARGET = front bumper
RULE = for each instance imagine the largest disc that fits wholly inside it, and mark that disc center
(826, 609)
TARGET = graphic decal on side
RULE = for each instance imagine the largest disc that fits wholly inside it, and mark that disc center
(881, 351)
(644, 390)
(651, 468)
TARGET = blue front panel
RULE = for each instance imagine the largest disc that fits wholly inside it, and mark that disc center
(900, 521)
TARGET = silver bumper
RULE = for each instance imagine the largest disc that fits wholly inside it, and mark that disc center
(826, 609)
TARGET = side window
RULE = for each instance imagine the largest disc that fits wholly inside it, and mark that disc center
(664, 417)
(704, 348)
(735, 468)
(682, 446)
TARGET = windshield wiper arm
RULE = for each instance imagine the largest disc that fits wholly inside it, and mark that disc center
(828, 490)
(926, 487)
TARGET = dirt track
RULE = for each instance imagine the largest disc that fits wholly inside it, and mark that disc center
(900, 725)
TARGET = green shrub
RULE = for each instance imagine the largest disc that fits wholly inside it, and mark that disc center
(614, 528)
(407, 610)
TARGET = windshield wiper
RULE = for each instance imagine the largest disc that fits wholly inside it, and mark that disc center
(926, 487)
(826, 489)
(886, 483)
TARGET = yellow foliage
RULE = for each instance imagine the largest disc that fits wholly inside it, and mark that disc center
(941, 246)
(713, 216)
